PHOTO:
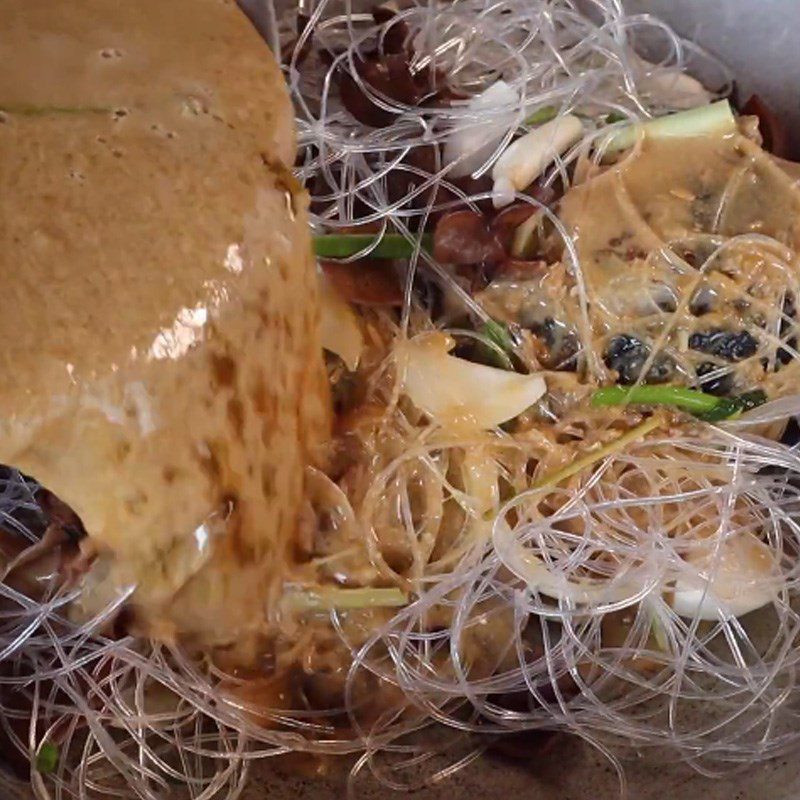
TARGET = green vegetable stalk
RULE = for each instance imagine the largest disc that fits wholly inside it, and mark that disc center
(614, 116)
(390, 245)
(499, 335)
(47, 758)
(705, 406)
(580, 464)
(542, 115)
(701, 121)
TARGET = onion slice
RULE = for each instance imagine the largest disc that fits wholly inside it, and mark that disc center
(739, 577)
(620, 591)
(525, 159)
(339, 329)
(471, 146)
(459, 393)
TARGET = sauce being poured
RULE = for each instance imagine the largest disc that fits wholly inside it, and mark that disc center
(161, 375)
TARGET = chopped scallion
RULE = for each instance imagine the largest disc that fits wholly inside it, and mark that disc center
(687, 399)
(716, 118)
(500, 336)
(730, 407)
(499, 333)
(542, 115)
(706, 406)
(390, 245)
(47, 758)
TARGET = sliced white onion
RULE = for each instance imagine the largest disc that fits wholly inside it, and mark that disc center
(525, 159)
(503, 192)
(472, 145)
(576, 592)
(672, 86)
(677, 88)
(338, 325)
(573, 591)
(459, 393)
(742, 579)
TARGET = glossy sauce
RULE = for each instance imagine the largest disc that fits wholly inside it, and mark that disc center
(160, 369)
(643, 230)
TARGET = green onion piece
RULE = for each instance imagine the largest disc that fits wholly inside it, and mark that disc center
(724, 409)
(542, 115)
(730, 407)
(41, 111)
(46, 758)
(391, 245)
(499, 333)
(716, 118)
(615, 116)
(750, 400)
(326, 599)
(687, 399)
(707, 407)
(634, 434)
(498, 345)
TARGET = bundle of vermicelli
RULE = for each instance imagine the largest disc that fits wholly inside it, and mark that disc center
(511, 560)
(610, 595)
(550, 57)
(609, 606)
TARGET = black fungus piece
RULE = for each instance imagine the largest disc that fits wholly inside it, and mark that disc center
(562, 344)
(720, 385)
(548, 330)
(627, 355)
(701, 302)
(667, 304)
(730, 345)
(703, 211)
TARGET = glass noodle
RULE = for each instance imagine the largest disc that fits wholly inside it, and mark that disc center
(486, 644)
